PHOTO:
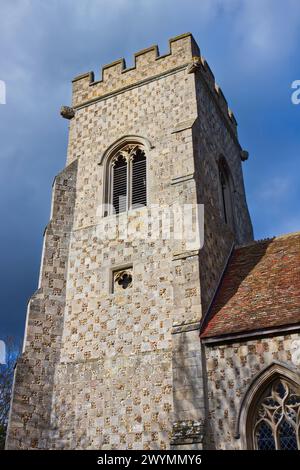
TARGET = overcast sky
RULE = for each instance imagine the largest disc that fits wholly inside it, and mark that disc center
(252, 47)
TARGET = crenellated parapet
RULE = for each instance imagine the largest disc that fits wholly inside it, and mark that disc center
(147, 64)
(200, 66)
(183, 54)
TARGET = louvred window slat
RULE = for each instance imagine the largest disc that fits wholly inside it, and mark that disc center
(119, 193)
(139, 186)
(128, 193)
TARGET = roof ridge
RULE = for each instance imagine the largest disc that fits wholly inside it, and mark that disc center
(274, 238)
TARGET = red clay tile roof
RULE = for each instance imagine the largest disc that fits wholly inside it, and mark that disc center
(260, 288)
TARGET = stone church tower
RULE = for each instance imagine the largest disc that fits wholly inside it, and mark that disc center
(112, 357)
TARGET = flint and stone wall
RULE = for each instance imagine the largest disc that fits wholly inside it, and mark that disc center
(231, 367)
(123, 370)
(34, 374)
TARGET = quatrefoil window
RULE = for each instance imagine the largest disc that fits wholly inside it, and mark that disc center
(122, 279)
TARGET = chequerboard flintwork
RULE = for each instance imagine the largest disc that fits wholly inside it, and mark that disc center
(149, 65)
(112, 356)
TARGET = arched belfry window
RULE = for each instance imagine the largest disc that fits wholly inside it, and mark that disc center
(275, 420)
(126, 179)
(226, 192)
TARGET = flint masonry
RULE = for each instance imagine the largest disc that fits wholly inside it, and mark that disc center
(113, 357)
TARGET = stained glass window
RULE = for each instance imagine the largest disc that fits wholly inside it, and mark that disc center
(277, 418)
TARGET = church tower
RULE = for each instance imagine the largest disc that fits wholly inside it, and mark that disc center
(112, 356)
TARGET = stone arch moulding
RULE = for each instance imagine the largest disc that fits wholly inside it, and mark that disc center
(126, 139)
(259, 382)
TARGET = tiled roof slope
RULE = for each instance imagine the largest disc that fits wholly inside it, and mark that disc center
(260, 288)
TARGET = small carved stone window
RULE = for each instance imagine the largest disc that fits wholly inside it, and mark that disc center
(122, 279)
(276, 420)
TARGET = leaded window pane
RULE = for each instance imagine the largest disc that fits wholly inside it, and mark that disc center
(264, 437)
(277, 418)
(287, 436)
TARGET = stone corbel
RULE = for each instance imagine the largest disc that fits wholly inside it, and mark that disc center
(195, 65)
(244, 155)
(67, 112)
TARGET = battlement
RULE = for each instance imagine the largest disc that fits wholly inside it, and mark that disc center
(148, 64)
(216, 91)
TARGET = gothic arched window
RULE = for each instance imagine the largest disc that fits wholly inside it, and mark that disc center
(126, 179)
(275, 420)
(226, 191)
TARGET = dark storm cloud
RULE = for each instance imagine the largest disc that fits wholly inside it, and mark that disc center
(252, 47)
